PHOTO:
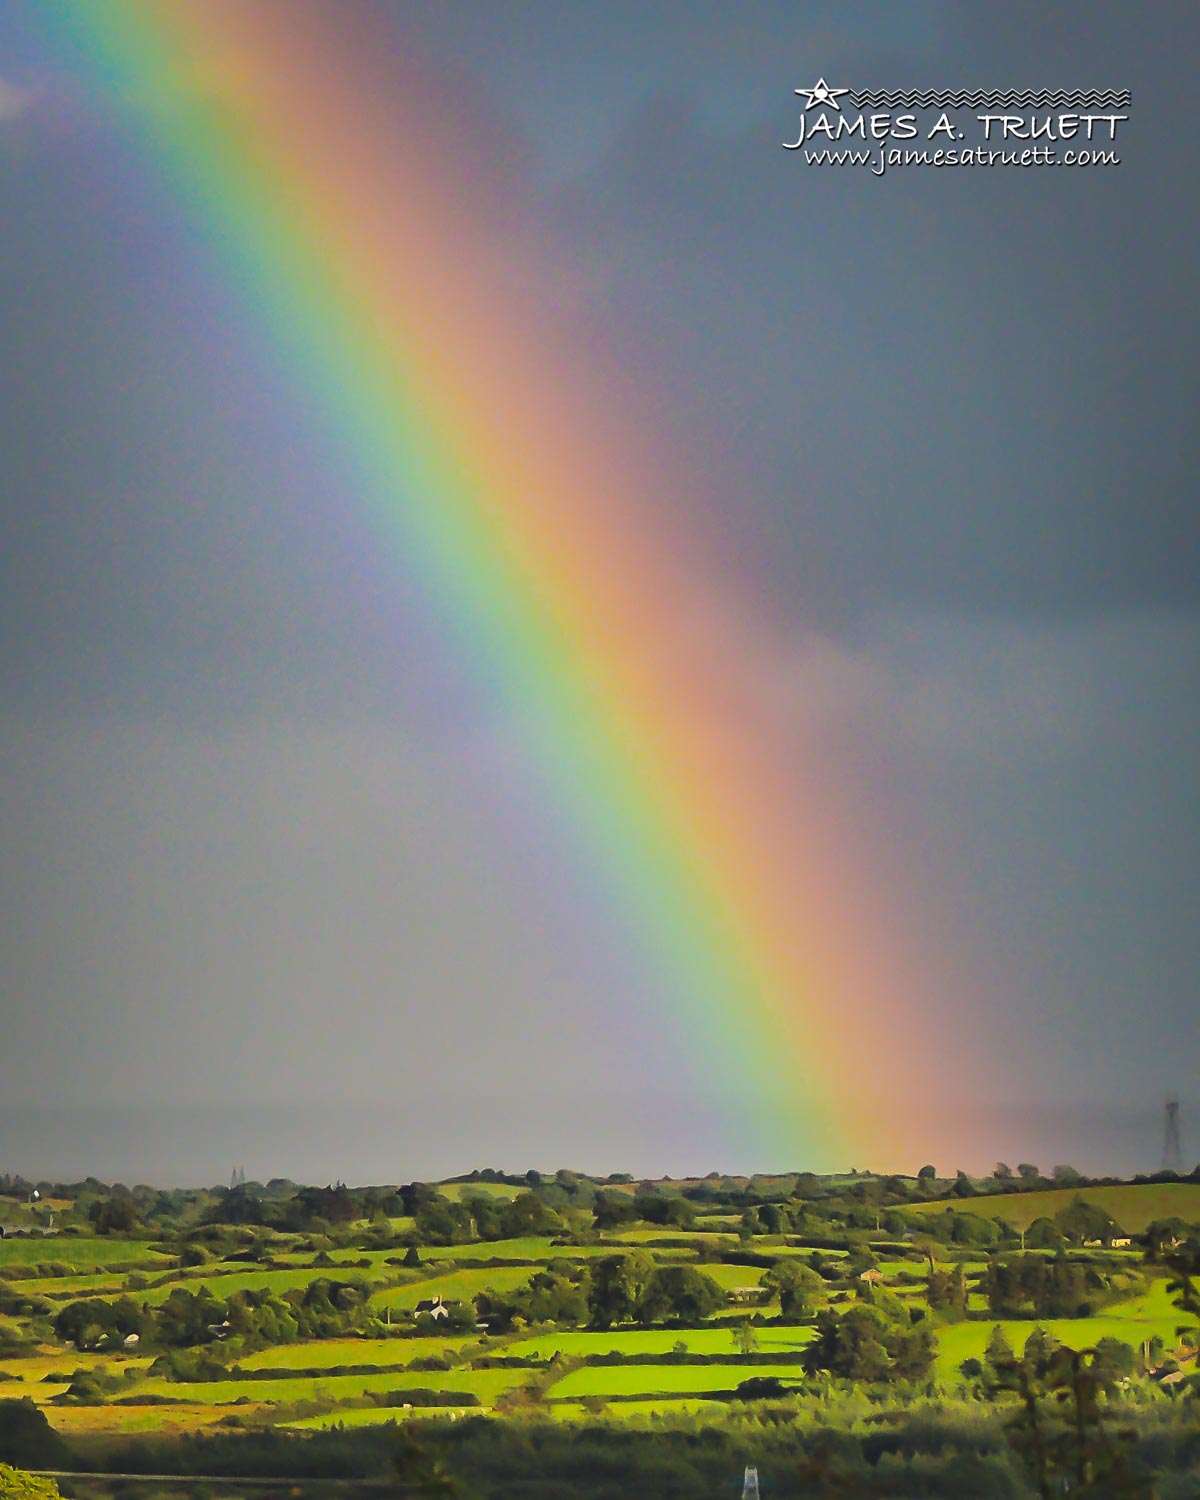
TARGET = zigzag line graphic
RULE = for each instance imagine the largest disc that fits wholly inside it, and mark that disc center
(1007, 98)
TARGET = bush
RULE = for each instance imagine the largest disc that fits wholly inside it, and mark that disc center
(26, 1438)
(16, 1485)
(761, 1388)
(424, 1396)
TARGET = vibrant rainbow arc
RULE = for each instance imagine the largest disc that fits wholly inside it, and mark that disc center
(474, 444)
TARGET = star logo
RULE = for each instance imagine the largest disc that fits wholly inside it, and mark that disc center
(821, 93)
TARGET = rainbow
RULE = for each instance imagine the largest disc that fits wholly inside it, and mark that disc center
(346, 204)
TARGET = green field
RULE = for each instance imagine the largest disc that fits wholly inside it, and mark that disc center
(87, 1421)
(375, 1416)
(632, 1411)
(806, 1251)
(325, 1354)
(81, 1254)
(1133, 1205)
(728, 1277)
(342, 1262)
(529, 1249)
(454, 1286)
(657, 1341)
(1146, 1317)
(457, 1191)
(224, 1286)
(36, 1368)
(486, 1384)
(651, 1380)
(85, 1284)
(650, 1235)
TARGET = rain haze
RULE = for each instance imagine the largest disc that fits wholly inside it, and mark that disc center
(279, 887)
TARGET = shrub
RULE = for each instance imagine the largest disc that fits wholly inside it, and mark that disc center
(17, 1485)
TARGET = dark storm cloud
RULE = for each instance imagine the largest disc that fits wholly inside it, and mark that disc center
(177, 531)
(958, 389)
(947, 391)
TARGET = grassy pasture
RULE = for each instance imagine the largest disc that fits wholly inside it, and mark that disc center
(626, 1411)
(34, 1368)
(457, 1191)
(85, 1421)
(241, 1280)
(486, 1384)
(806, 1251)
(652, 1380)
(530, 1248)
(455, 1286)
(40, 1394)
(716, 1340)
(82, 1254)
(727, 1277)
(376, 1416)
(324, 1354)
(1132, 1205)
(1146, 1317)
(70, 1288)
(916, 1267)
(343, 1260)
(649, 1235)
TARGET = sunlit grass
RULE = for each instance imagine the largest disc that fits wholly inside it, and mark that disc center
(1133, 1322)
(453, 1287)
(712, 1340)
(319, 1354)
(83, 1254)
(1132, 1205)
(650, 1380)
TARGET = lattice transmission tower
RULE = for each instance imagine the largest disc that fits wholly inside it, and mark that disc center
(750, 1484)
(1172, 1158)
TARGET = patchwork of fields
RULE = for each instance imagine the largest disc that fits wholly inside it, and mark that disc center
(394, 1363)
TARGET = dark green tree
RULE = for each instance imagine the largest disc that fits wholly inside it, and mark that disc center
(678, 1293)
(863, 1345)
(1081, 1221)
(998, 1357)
(114, 1215)
(613, 1209)
(1059, 1429)
(419, 1471)
(527, 1215)
(947, 1292)
(27, 1438)
(799, 1289)
(616, 1284)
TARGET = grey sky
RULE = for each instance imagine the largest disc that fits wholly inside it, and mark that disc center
(261, 849)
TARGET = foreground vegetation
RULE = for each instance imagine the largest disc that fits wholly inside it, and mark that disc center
(1014, 1336)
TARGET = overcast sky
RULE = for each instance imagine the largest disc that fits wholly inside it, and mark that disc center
(273, 888)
